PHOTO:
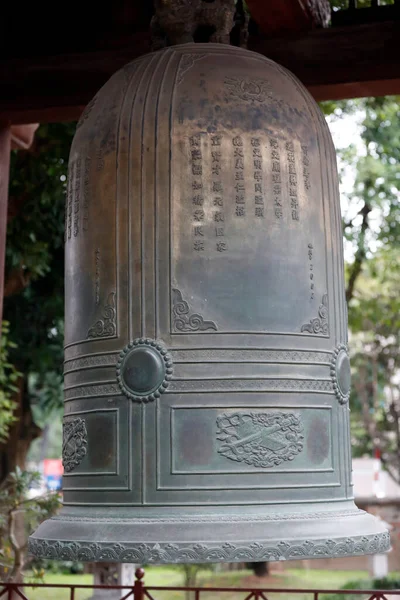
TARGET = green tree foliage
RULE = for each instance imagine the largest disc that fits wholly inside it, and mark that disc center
(371, 222)
(18, 507)
(391, 582)
(34, 281)
(34, 253)
(8, 378)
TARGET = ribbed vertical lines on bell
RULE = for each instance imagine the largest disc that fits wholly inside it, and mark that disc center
(124, 239)
(135, 160)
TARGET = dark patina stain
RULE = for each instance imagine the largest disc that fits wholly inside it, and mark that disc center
(318, 441)
(102, 451)
(195, 441)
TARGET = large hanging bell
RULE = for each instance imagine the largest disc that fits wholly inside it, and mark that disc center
(207, 375)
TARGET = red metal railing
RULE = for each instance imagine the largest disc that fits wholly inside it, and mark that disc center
(139, 591)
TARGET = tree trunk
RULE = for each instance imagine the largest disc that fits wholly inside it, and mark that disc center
(14, 451)
(260, 569)
(190, 572)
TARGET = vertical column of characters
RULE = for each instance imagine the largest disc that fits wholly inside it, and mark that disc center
(311, 269)
(306, 167)
(196, 159)
(69, 203)
(258, 177)
(86, 192)
(276, 177)
(293, 191)
(218, 194)
(240, 196)
(77, 196)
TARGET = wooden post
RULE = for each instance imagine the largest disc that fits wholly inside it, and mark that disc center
(5, 147)
(138, 585)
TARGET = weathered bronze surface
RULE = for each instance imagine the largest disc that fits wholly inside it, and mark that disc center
(206, 370)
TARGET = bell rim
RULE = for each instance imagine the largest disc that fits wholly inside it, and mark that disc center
(318, 541)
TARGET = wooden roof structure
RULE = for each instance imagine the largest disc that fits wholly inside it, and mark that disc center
(53, 63)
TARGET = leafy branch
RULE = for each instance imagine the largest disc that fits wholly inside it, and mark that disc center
(15, 505)
(8, 380)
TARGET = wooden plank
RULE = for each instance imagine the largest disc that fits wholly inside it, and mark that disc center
(339, 63)
(333, 63)
(57, 88)
(276, 17)
(5, 147)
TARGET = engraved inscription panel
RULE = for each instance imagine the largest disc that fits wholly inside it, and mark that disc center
(247, 203)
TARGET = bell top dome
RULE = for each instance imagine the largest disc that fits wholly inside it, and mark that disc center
(200, 155)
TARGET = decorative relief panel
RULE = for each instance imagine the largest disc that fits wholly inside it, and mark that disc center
(186, 64)
(182, 319)
(340, 373)
(249, 89)
(74, 443)
(260, 439)
(144, 370)
(92, 361)
(319, 325)
(87, 391)
(251, 355)
(197, 553)
(105, 326)
(247, 385)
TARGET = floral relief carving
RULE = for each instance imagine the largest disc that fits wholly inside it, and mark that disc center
(253, 90)
(260, 439)
(74, 443)
(319, 325)
(196, 553)
(105, 326)
(183, 320)
(187, 63)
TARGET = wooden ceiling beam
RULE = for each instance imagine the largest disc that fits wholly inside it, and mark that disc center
(341, 62)
(333, 63)
(57, 88)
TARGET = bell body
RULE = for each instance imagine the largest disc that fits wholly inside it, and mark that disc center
(206, 369)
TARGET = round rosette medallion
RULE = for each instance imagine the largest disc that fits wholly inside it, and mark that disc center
(144, 370)
(340, 373)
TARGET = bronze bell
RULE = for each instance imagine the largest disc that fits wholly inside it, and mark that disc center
(207, 377)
